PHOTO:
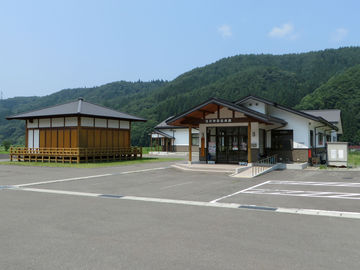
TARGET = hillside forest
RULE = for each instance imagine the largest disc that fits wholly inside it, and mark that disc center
(328, 79)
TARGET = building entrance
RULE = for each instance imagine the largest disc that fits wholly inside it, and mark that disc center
(227, 144)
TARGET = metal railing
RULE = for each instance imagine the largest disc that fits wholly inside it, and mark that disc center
(263, 164)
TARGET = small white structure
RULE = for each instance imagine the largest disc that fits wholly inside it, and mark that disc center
(169, 138)
(337, 154)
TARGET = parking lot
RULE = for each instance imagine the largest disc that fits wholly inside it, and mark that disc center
(153, 216)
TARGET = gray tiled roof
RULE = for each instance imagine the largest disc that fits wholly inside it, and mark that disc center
(163, 134)
(163, 124)
(329, 115)
(79, 107)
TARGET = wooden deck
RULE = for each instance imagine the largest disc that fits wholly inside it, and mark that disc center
(74, 155)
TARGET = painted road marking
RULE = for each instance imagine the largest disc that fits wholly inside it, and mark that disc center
(176, 185)
(299, 193)
(237, 192)
(63, 180)
(88, 177)
(303, 183)
(306, 193)
(144, 170)
(353, 215)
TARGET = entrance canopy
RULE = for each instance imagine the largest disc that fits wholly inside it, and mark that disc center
(239, 113)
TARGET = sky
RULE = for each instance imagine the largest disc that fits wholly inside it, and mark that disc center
(46, 46)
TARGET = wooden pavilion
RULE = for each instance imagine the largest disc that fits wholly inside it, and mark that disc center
(77, 132)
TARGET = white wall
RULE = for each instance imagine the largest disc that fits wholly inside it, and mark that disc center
(100, 122)
(124, 124)
(70, 121)
(44, 122)
(299, 125)
(33, 138)
(87, 121)
(254, 135)
(36, 138)
(30, 138)
(181, 135)
(255, 105)
(57, 122)
(113, 123)
(34, 124)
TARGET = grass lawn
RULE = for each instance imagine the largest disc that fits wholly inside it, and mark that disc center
(90, 165)
(2, 150)
(354, 159)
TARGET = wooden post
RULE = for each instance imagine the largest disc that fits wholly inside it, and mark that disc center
(26, 133)
(249, 142)
(158, 142)
(202, 146)
(190, 144)
(151, 142)
(78, 138)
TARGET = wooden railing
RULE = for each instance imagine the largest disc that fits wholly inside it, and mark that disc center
(263, 164)
(71, 155)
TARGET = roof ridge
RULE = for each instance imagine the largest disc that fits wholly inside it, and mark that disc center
(80, 105)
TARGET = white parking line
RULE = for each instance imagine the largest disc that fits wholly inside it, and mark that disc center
(145, 170)
(176, 185)
(63, 180)
(88, 177)
(306, 193)
(237, 192)
(338, 214)
(299, 193)
(303, 183)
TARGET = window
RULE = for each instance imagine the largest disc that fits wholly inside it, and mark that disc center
(320, 138)
(311, 138)
(195, 139)
(282, 139)
(328, 138)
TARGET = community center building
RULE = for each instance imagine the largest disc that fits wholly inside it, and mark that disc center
(77, 131)
(253, 128)
(168, 138)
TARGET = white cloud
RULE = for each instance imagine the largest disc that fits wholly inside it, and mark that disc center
(284, 31)
(225, 30)
(340, 34)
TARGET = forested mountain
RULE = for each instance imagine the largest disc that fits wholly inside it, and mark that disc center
(287, 79)
(340, 92)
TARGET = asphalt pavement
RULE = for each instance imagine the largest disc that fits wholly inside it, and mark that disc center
(58, 218)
